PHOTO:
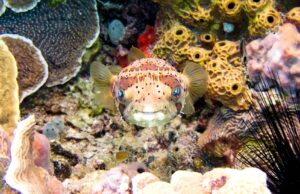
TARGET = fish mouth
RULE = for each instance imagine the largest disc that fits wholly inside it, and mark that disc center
(149, 116)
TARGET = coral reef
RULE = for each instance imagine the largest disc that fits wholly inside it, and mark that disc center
(32, 67)
(76, 145)
(23, 174)
(9, 103)
(61, 37)
(20, 5)
(277, 55)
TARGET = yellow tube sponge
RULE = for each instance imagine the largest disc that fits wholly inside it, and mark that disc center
(9, 101)
(228, 8)
(198, 55)
(252, 6)
(174, 42)
(227, 85)
(227, 79)
(208, 38)
(194, 14)
(294, 16)
(226, 48)
(266, 20)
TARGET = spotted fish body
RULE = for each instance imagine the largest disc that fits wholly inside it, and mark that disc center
(149, 92)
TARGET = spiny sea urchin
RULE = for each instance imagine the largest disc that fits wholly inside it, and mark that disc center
(274, 143)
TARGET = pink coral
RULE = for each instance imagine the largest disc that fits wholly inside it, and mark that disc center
(277, 54)
(41, 152)
(118, 179)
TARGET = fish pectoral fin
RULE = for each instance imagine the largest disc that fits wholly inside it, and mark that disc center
(104, 98)
(115, 69)
(188, 107)
(103, 80)
(196, 77)
(135, 54)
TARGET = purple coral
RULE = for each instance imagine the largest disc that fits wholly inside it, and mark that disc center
(276, 55)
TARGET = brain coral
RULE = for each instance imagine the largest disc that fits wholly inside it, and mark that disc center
(9, 101)
(32, 67)
(61, 33)
(277, 54)
(20, 5)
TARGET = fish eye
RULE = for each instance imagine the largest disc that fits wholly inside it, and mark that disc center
(120, 93)
(176, 92)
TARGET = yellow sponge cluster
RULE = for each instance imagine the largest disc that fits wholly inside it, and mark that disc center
(266, 20)
(251, 7)
(229, 8)
(227, 79)
(294, 16)
(194, 14)
(177, 44)
(261, 14)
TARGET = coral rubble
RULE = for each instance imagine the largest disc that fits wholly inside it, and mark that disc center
(32, 67)
(61, 37)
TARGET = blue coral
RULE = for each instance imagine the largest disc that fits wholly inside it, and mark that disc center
(53, 128)
(116, 31)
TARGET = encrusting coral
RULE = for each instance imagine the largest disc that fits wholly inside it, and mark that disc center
(32, 67)
(23, 174)
(62, 38)
(20, 5)
(277, 55)
(9, 102)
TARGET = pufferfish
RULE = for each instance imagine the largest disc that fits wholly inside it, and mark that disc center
(149, 92)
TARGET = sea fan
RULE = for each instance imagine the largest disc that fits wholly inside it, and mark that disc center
(274, 143)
